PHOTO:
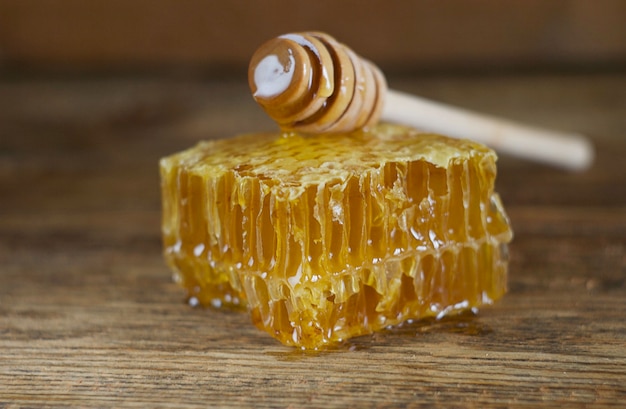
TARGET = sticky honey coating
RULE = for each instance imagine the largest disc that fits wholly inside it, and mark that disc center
(329, 237)
(309, 82)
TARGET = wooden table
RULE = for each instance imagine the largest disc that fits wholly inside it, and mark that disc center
(90, 317)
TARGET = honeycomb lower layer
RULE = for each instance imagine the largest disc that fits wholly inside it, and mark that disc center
(328, 237)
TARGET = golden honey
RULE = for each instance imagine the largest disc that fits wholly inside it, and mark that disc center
(332, 236)
(309, 82)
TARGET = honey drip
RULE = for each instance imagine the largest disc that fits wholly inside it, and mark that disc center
(308, 82)
(336, 236)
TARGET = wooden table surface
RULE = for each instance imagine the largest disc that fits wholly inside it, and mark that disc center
(90, 317)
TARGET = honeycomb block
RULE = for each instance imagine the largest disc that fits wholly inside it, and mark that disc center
(328, 237)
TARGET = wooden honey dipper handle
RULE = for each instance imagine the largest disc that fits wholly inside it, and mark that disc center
(568, 150)
(309, 82)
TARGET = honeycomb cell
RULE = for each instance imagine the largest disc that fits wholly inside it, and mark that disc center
(332, 236)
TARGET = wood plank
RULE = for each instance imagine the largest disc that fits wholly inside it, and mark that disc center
(400, 36)
(89, 315)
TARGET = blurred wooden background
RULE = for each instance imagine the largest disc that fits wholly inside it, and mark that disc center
(94, 92)
(219, 37)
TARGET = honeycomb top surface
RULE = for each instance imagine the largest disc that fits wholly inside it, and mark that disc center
(295, 161)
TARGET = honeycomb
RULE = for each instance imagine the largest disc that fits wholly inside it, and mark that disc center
(327, 237)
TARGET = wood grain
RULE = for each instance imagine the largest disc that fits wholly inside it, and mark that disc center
(424, 34)
(89, 316)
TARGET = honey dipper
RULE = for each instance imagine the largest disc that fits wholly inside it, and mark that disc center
(308, 82)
